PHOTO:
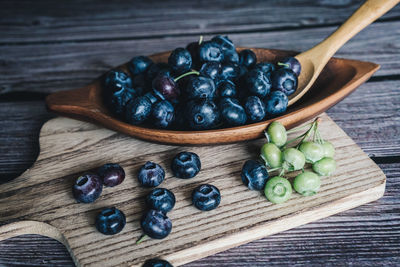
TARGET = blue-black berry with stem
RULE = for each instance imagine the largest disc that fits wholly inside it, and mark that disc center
(138, 110)
(111, 174)
(186, 165)
(180, 61)
(110, 221)
(202, 114)
(151, 174)
(276, 103)
(284, 80)
(160, 199)
(210, 51)
(163, 114)
(232, 113)
(156, 224)
(257, 83)
(87, 188)
(255, 109)
(139, 64)
(206, 197)
(254, 175)
(247, 58)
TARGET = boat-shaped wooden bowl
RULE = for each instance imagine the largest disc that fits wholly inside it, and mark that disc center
(338, 79)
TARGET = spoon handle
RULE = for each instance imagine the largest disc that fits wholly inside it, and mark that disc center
(361, 18)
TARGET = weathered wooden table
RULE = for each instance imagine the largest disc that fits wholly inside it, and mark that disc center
(47, 46)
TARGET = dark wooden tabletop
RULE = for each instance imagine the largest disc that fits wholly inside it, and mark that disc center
(48, 46)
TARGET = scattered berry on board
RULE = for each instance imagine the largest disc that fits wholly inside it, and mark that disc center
(207, 85)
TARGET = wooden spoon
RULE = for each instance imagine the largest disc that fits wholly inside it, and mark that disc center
(314, 60)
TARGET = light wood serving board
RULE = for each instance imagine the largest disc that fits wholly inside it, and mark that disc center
(40, 200)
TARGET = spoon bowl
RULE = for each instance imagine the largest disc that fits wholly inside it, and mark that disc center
(338, 79)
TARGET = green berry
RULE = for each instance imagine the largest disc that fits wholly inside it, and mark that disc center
(307, 183)
(272, 155)
(329, 149)
(312, 151)
(278, 190)
(293, 159)
(276, 133)
(325, 166)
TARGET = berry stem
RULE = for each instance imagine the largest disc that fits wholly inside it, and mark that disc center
(283, 64)
(299, 128)
(200, 39)
(186, 74)
(274, 169)
(143, 237)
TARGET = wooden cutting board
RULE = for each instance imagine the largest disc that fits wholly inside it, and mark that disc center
(40, 200)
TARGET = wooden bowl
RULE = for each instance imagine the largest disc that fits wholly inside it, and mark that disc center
(338, 79)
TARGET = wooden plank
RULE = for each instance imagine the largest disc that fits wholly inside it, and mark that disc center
(66, 143)
(54, 67)
(348, 238)
(25, 22)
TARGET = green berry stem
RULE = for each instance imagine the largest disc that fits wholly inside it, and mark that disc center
(143, 237)
(282, 172)
(274, 169)
(299, 128)
(283, 64)
(200, 39)
(186, 74)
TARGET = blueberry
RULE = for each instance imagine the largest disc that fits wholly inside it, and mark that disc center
(138, 110)
(232, 57)
(87, 188)
(255, 108)
(202, 114)
(160, 199)
(157, 68)
(291, 63)
(265, 67)
(180, 61)
(276, 103)
(254, 175)
(193, 49)
(139, 64)
(210, 51)
(210, 70)
(111, 174)
(156, 224)
(232, 113)
(119, 100)
(225, 43)
(110, 221)
(257, 83)
(284, 80)
(163, 114)
(247, 58)
(200, 87)
(226, 88)
(206, 197)
(115, 80)
(151, 174)
(165, 87)
(229, 71)
(157, 263)
(186, 165)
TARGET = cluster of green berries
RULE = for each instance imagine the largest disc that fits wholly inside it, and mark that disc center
(278, 156)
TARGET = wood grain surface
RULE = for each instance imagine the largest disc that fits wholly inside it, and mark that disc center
(49, 46)
(69, 147)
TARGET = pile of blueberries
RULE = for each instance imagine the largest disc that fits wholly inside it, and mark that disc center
(204, 86)
(155, 223)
